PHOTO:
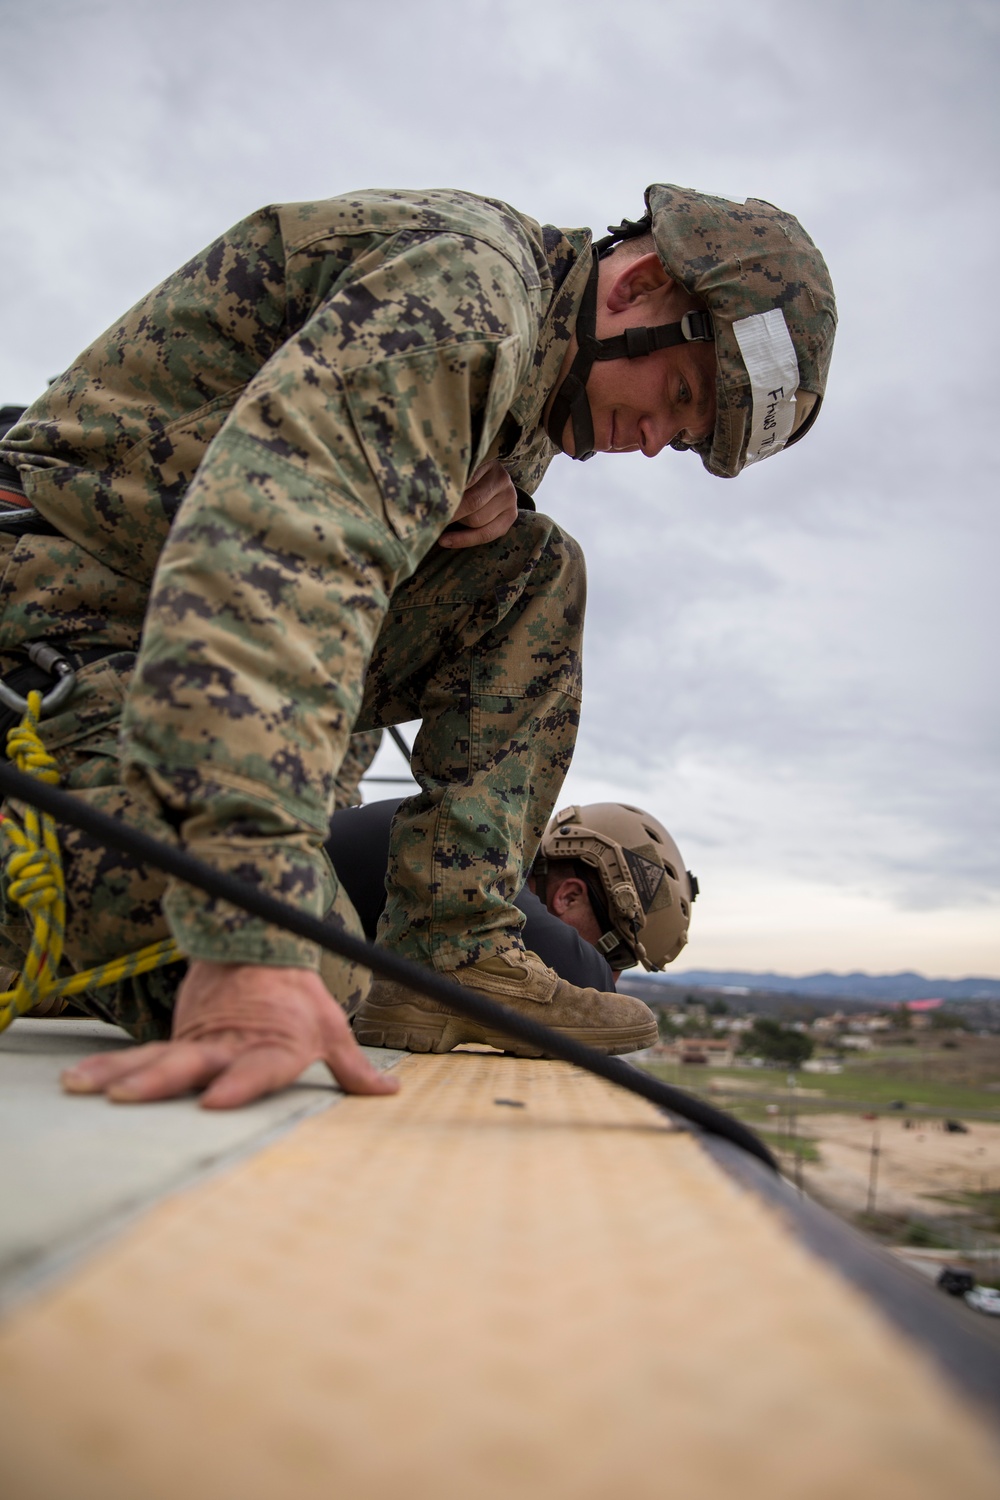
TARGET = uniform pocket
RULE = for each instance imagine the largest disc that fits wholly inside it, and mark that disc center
(424, 420)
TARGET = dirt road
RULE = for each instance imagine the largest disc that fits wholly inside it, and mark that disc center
(913, 1164)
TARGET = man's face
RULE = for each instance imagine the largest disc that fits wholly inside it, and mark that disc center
(642, 405)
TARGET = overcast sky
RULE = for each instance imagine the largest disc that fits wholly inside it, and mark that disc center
(796, 670)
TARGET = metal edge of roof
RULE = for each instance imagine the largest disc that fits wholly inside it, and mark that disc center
(965, 1351)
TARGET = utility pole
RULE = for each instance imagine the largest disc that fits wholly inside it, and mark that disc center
(873, 1171)
(793, 1132)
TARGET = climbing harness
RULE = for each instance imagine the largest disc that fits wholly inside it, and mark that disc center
(61, 807)
(35, 883)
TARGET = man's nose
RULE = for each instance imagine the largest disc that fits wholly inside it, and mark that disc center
(656, 433)
(659, 432)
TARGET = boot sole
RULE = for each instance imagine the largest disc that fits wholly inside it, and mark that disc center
(411, 1030)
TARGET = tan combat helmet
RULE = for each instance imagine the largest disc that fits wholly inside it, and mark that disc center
(770, 311)
(638, 885)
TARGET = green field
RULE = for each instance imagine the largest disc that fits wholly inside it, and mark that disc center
(986, 1206)
(928, 1081)
(801, 1146)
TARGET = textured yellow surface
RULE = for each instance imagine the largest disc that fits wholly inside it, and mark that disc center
(439, 1296)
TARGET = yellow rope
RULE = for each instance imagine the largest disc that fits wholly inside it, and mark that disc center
(35, 882)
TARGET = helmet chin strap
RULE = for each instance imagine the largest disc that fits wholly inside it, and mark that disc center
(571, 403)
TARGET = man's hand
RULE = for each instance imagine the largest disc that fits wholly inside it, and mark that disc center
(240, 1031)
(488, 508)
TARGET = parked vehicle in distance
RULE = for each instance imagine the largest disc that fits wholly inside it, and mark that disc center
(956, 1283)
(984, 1299)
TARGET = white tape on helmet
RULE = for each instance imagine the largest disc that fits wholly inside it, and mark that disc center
(769, 355)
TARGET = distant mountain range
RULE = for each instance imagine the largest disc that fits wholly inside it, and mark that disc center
(856, 986)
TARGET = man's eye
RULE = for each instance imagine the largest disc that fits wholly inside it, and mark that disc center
(683, 394)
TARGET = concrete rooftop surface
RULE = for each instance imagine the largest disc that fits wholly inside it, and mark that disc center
(78, 1167)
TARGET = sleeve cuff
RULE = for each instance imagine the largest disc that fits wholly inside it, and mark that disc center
(204, 927)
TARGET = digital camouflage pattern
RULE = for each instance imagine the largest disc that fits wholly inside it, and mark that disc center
(481, 644)
(361, 751)
(740, 259)
(250, 472)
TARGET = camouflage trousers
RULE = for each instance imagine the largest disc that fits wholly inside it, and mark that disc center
(361, 751)
(483, 646)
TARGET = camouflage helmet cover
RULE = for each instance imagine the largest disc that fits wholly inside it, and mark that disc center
(773, 309)
(643, 887)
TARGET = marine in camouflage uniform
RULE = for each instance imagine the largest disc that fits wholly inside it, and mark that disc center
(250, 472)
(246, 480)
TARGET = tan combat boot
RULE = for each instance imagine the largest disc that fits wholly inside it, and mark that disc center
(395, 1016)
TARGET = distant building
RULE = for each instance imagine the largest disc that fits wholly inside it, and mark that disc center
(869, 1021)
(857, 1024)
(694, 1051)
(921, 1011)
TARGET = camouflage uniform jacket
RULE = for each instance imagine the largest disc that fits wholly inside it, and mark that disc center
(304, 400)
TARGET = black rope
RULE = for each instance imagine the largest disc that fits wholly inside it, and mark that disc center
(403, 747)
(65, 808)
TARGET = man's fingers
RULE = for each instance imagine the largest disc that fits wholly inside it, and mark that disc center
(181, 1068)
(91, 1075)
(475, 536)
(353, 1071)
(488, 509)
(250, 1031)
(160, 1070)
(486, 481)
(483, 510)
(483, 497)
(265, 1069)
(254, 1073)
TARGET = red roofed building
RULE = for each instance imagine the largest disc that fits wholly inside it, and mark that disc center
(920, 1011)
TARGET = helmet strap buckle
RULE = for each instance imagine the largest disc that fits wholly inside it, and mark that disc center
(697, 326)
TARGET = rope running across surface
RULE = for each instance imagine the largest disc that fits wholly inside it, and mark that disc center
(38, 877)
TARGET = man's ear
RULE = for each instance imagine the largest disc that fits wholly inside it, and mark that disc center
(638, 280)
(568, 893)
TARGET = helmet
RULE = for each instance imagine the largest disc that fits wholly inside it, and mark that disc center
(773, 312)
(635, 876)
(770, 312)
